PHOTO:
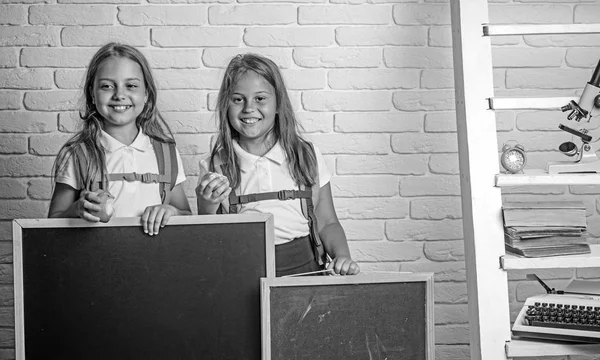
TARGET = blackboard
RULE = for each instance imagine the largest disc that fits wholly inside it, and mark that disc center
(367, 316)
(109, 291)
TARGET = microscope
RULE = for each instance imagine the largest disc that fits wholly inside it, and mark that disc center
(588, 109)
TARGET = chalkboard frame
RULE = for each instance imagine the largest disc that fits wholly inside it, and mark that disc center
(22, 225)
(267, 284)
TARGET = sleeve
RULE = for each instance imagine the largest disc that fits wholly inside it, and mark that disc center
(204, 168)
(180, 169)
(324, 172)
(67, 173)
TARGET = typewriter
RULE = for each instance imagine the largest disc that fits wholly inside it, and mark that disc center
(567, 315)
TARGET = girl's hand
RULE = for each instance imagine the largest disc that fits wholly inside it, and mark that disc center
(344, 266)
(213, 188)
(157, 216)
(88, 203)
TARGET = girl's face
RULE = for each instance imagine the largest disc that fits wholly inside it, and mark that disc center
(252, 108)
(119, 93)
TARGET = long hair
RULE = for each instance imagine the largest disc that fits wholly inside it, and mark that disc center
(149, 120)
(302, 161)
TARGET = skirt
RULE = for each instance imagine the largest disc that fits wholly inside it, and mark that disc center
(295, 257)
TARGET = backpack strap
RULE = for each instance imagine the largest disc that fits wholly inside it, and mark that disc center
(166, 156)
(308, 210)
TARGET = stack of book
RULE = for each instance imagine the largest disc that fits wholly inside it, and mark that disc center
(545, 228)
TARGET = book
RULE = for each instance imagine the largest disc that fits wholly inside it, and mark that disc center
(544, 213)
(545, 251)
(545, 241)
(526, 232)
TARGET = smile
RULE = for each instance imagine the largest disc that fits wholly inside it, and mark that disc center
(120, 108)
(250, 121)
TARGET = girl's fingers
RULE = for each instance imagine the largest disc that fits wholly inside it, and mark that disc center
(160, 213)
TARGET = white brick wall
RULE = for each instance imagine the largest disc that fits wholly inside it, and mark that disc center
(371, 81)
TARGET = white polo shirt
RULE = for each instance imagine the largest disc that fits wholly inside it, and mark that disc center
(261, 174)
(131, 198)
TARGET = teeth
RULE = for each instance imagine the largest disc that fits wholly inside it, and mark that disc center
(121, 107)
(250, 121)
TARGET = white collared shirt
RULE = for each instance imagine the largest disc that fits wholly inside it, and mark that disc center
(260, 174)
(131, 198)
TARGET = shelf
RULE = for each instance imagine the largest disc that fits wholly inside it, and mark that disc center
(514, 262)
(540, 29)
(537, 348)
(515, 103)
(541, 177)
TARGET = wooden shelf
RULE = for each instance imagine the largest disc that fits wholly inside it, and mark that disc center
(541, 177)
(537, 348)
(514, 262)
(540, 29)
(516, 103)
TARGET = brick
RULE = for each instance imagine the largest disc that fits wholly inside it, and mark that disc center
(437, 79)
(505, 120)
(392, 164)
(196, 36)
(12, 189)
(386, 251)
(446, 207)
(340, 14)
(190, 164)
(381, 36)
(187, 1)
(51, 100)
(432, 100)
(530, 14)
(546, 78)
(369, 267)
(352, 143)
(69, 79)
(7, 336)
(582, 57)
(413, 57)
(69, 122)
(338, 57)
(586, 14)
(29, 36)
(56, 57)
(410, 143)
(71, 15)
(454, 352)
(263, 14)
(13, 144)
(383, 122)
(6, 278)
(422, 14)
(542, 273)
(562, 40)
(424, 230)
(7, 354)
(346, 101)
(440, 121)
(46, 144)
(452, 334)
(547, 190)
(182, 100)
(450, 293)
(7, 317)
(440, 36)
(10, 100)
(220, 57)
(315, 122)
(26, 1)
(536, 140)
(373, 79)
(100, 35)
(19, 166)
(193, 144)
(188, 79)
(13, 15)
(527, 57)
(99, 1)
(8, 58)
(39, 189)
(451, 314)
(19, 209)
(38, 79)
(26, 122)
(190, 122)
(305, 79)
(364, 186)
(281, 1)
(289, 37)
(363, 229)
(539, 120)
(173, 58)
(453, 271)
(438, 185)
(446, 164)
(6, 247)
(162, 15)
(370, 208)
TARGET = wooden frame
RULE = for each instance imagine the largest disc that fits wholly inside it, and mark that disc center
(268, 286)
(21, 226)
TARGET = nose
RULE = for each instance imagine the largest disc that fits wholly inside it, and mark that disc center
(119, 93)
(248, 107)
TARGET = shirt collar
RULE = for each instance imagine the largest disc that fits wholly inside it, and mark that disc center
(141, 142)
(247, 160)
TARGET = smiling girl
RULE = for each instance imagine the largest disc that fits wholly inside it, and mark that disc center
(124, 147)
(261, 163)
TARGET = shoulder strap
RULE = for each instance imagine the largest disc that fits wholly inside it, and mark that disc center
(166, 156)
(92, 184)
(308, 210)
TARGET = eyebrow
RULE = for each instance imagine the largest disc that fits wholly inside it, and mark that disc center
(128, 79)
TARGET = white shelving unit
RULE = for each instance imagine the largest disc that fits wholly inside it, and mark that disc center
(486, 261)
